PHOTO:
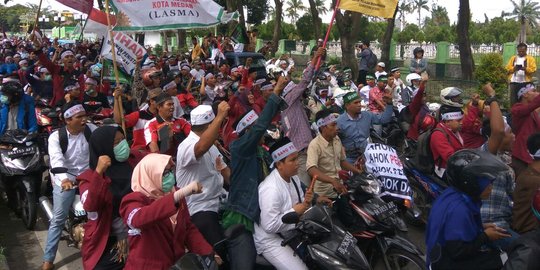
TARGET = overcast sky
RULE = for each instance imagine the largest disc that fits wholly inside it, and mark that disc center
(492, 8)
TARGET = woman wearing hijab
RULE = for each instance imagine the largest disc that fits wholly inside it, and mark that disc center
(102, 188)
(158, 217)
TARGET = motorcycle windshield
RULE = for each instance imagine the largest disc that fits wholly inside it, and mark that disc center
(17, 136)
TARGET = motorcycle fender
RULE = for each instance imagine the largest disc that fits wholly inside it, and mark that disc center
(28, 184)
(400, 243)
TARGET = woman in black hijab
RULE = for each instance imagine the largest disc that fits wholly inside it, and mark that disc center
(102, 188)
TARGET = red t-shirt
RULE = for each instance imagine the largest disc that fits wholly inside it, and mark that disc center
(137, 120)
(180, 127)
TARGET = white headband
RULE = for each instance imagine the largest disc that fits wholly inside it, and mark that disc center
(452, 116)
(209, 75)
(66, 53)
(70, 88)
(327, 120)
(267, 87)
(246, 121)
(90, 81)
(73, 111)
(283, 152)
(259, 81)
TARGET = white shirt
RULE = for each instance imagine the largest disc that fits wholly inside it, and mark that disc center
(519, 76)
(276, 198)
(189, 169)
(76, 158)
(178, 111)
(197, 74)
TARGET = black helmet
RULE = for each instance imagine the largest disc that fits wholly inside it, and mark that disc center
(12, 89)
(466, 168)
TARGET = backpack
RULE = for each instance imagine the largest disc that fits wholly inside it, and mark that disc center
(372, 60)
(423, 160)
(63, 137)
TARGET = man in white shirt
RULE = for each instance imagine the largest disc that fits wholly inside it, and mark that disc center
(280, 193)
(379, 70)
(198, 159)
(68, 148)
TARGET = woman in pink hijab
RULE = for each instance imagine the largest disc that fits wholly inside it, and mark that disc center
(160, 229)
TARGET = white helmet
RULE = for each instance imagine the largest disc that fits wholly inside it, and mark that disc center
(411, 77)
(451, 96)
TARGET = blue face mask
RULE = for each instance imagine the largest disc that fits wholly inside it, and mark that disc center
(4, 99)
(168, 182)
(121, 151)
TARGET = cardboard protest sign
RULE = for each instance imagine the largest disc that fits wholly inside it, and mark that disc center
(127, 50)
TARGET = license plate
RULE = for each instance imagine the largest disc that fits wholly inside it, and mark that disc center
(346, 246)
(21, 151)
(385, 211)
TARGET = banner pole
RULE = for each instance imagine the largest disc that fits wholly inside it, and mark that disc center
(37, 16)
(336, 8)
(115, 65)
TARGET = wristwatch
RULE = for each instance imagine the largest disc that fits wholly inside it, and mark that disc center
(490, 99)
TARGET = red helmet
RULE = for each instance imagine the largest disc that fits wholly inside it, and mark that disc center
(148, 74)
(536, 204)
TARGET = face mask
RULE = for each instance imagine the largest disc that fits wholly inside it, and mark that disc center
(168, 182)
(4, 99)
(121, 151)
(24, 68)
(90, 91)
(47, 78)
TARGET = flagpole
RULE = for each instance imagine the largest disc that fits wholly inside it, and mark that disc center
(84, 26)
(37, 16)
(115, 65)
(336, 8)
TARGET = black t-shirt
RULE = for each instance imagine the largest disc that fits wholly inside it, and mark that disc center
(92, 104)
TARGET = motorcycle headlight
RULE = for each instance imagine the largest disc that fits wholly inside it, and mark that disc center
(371, 187)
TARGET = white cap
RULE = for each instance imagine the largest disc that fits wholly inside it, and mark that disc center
(381, 64)
(202, 114)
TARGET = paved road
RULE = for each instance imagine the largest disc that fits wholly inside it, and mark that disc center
(24, 249)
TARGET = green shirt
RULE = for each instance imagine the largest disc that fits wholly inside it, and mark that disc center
(232, 218)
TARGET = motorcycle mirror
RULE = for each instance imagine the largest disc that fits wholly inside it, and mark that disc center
(290, 218)
(59, 170)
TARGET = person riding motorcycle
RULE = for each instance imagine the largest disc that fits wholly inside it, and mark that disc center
(17, 109)
(455, 234)
(413, 82)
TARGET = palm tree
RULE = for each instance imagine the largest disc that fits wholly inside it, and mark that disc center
(294, 7)
(404, 7)
(419, 5)
(320, 6)
(527, 13)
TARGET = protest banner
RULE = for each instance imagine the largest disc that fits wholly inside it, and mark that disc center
(127, 50)
(383, 162)
(151, 15)
(377, 8)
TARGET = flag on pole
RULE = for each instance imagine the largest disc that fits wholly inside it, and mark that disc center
(97, 23)
(376, 8)
(77, 30)
(127, 50)
(108, 73)
(84, 6)
(152, 15)
(239, 35)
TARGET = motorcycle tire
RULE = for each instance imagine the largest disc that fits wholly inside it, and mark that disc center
(420, 201)
(28, 206)
(402, 259)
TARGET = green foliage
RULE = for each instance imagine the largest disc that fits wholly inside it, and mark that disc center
(266, 30)
(410, 32)
(304, 27)
(158, 49)
(491, 70)
(256, 11)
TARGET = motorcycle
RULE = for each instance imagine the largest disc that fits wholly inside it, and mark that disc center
(74, 225)
(425, 189)
(377, 226)
(21, 162)
(48, 119)
(326, 245)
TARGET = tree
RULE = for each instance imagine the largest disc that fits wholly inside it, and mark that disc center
(404, 7)
(527, 13)
(277, 24)
(464, 44)
(317, 22)
(256, 10)
(387, 39)
(304, 27)
(418, 6)
(347, 23)
(437, 27)
(295, 6)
